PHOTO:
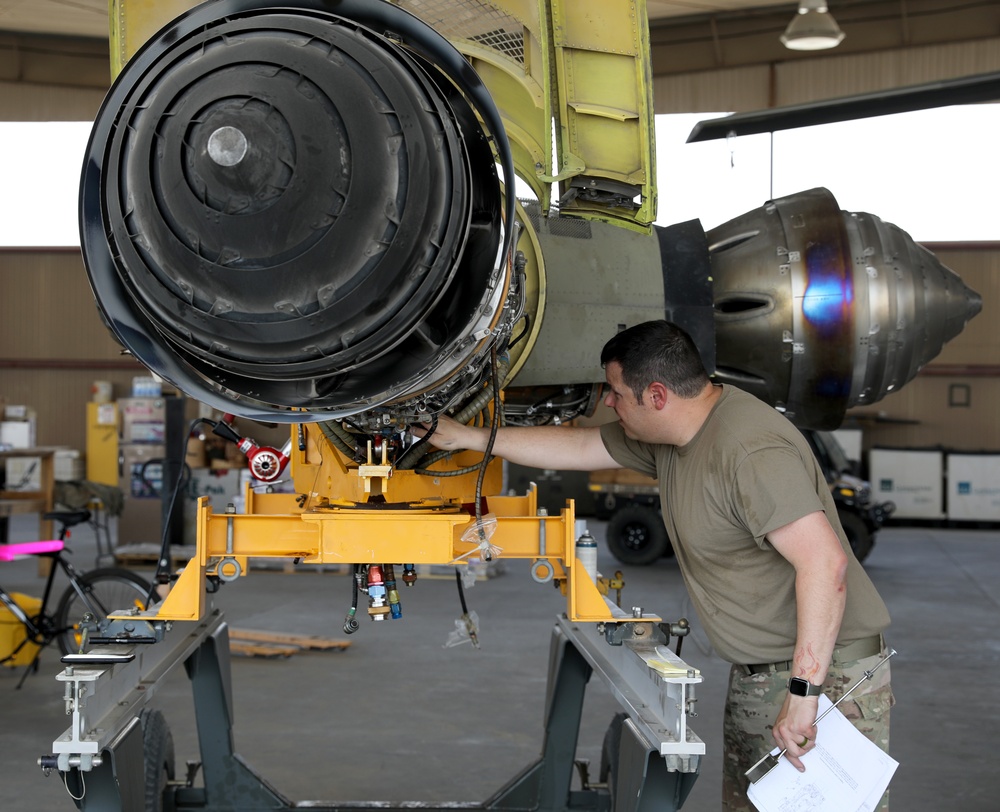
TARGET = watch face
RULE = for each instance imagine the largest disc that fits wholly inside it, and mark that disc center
(796, 686)
(802, 687)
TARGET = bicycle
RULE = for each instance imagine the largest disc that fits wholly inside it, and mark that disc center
(92, 593)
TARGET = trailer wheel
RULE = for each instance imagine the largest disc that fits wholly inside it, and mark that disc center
(636, 535)
(610, 750)
(158, 754)
(858, 535)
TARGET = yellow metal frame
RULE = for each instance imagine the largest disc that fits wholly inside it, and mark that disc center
(132, 22)
(420, 529)
(586, 71)
(604, 91)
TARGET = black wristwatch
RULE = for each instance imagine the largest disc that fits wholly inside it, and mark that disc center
(802, 687)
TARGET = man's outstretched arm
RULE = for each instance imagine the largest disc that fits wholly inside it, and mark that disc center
(565, 448)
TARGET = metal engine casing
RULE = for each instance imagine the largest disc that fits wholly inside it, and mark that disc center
(811, 308)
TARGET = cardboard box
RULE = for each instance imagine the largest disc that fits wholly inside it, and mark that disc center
(145, 387)
(17, 434)
(139, 418)
(23, 474)
(146, 433)
(220, 486)
(194, 453)
(68, 465)
(18, 428)
(13, 411)
(135, 460)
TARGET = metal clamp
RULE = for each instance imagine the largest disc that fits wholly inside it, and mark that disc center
(229, 568)
(542, 570)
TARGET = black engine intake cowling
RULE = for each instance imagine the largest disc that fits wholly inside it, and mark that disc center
(292, 214)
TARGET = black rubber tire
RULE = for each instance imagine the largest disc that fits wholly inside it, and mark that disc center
(636, 536)
(107, 589)
(610, 750)
(158, 756)
(858, 535)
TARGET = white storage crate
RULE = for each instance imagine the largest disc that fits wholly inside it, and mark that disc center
(911, 479)
(974, 487)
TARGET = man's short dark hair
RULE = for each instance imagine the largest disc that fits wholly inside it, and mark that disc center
(657, 351)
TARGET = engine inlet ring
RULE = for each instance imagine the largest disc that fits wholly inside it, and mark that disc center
(236, 238)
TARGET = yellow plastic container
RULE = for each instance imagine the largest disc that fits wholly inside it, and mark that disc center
(12, 631)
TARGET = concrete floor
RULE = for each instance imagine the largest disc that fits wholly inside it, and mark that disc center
(397, 717)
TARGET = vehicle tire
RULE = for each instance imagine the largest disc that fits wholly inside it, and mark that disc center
(636, 535)
(858, 534)
(610, 750)
(158, 756)
(104, 590)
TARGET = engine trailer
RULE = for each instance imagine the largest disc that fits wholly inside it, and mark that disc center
(113, 755)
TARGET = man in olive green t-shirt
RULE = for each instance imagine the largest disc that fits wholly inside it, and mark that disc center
(755, 532)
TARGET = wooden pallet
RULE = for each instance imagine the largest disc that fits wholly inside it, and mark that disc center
(148, 555)
(254, 643)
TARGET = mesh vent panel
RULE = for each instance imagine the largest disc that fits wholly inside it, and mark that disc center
(478, 21)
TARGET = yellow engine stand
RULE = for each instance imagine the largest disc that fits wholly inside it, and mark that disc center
(431, 521)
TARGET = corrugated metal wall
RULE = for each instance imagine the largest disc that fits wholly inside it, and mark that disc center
(31, 102)
(51, 78)
(46, 308)
(53, 344)
(935, 423)
(754, 87)
(809, 79)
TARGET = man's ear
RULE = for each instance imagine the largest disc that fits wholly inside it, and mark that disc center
(658, 395)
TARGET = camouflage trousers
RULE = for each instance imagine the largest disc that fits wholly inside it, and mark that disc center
(753, 704)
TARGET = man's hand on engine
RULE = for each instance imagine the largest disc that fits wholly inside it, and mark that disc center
(450, 435)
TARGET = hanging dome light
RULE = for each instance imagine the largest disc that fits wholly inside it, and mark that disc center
(812, 29)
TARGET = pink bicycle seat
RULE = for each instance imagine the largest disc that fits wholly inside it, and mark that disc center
(9, 551)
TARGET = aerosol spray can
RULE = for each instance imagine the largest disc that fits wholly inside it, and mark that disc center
(586, 552)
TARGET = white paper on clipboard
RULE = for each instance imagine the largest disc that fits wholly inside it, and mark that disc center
(844, 771)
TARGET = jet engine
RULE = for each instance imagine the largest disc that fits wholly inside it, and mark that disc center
(298, 214)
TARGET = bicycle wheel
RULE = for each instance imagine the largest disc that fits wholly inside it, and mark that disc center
(97, 592)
